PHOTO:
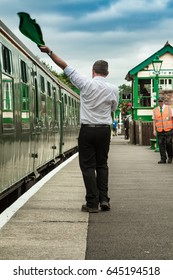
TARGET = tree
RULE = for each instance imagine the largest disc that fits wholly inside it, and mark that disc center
(125, 91)
(62, 77)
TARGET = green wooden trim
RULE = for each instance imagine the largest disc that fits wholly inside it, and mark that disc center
(135, 117)
(135, 91)
(156, 89)
(8, 120)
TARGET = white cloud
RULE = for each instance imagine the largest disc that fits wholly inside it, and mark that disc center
(123, 48)
(121, 8)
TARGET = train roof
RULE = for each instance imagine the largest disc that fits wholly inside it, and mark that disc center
(15, 40)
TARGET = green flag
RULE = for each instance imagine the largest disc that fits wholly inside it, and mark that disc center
(30, 28)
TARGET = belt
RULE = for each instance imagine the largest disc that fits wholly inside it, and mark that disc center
(95, 125)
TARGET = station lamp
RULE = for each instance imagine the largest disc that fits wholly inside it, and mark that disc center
(157, 64)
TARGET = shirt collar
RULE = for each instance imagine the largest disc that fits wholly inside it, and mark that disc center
(163, 106)
(99, 78)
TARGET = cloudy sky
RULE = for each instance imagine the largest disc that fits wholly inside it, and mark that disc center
(123, 32)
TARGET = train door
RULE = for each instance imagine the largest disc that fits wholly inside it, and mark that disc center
(35, 121)
(24, 133)
(56, 123)
(61, 110)
(42, 120)
(50, 119)
(64, 121)
(68, 121)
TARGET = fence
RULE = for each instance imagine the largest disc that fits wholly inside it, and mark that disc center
(141, 132)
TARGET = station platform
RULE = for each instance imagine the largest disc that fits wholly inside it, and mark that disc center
(46, 223)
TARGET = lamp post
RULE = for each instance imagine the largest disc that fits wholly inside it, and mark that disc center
(157, 64)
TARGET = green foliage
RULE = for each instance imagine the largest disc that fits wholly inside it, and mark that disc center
(124, 89)
(62, 77)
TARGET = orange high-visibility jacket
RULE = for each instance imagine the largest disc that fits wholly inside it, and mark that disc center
(163, 120)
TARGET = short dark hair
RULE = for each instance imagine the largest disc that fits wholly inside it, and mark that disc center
(101, 67)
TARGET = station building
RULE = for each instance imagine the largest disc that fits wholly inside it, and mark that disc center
(149, 81)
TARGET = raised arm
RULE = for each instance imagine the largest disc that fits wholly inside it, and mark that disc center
(58, 61)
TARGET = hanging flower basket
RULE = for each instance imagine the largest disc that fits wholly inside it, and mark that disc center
(125, 107)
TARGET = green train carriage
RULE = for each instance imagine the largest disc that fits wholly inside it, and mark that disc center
(39, 115)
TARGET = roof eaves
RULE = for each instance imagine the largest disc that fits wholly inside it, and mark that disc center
(146, 62)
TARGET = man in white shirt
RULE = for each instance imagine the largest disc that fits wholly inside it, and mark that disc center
(98, 99)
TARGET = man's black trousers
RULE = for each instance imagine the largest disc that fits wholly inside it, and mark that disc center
(94, 145)
(165, 144)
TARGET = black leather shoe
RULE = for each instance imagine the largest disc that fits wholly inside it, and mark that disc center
(105, 206)
(162, 161)
(169, 160)
(85, 208)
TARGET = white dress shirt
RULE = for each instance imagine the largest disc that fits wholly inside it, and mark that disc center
(98, 98)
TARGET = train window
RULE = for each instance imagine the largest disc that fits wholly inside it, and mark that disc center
(23, 67)
(50, 112)
(65, 98)
(7, 60)
(65, 107)
(25, 106)
(25, 122)
(32, 76)
(25, 98)
(48, 89)
(55, 103)
(69, 101)
(60, 96)
(43, 109)
(7, 91)
(7, 102)
(49, 107)
(24, 91)
(42, 83)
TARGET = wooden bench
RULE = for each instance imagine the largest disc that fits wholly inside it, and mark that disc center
(153, 143)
